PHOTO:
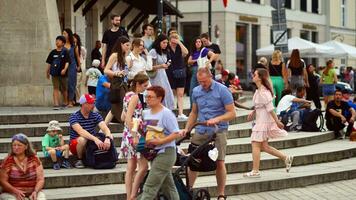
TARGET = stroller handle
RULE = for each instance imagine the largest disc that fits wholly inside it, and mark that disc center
(188, 135)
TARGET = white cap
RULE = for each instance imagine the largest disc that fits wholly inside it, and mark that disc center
(95, 63)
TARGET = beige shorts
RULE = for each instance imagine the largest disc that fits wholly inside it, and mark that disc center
(220, 142)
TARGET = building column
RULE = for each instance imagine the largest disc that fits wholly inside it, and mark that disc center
(32, 30)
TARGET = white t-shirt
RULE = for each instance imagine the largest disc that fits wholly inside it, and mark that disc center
(285, 103)
(93, 76)
(138, 64)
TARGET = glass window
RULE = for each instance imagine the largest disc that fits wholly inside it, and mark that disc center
(303, 5)
(241, 50)
(343, 12)
(305, 35)
(288, 4)
(315, 6)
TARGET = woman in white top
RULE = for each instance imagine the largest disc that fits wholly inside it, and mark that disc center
(116, 67)
(160, 63)
(135, 62)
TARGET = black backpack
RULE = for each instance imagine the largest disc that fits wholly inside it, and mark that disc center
(57, 65)
(100, 159)
(309, 121)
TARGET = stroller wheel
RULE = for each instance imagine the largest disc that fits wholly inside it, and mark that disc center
(201, 194)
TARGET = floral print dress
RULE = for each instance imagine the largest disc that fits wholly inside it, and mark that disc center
(127, 149)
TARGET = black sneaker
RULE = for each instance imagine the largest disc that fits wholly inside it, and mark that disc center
(66, 164)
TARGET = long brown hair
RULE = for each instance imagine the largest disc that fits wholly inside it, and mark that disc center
(264, 76)
(327, 68)
(22, 138)
(139, 78)
(120, 53)
(295, 61)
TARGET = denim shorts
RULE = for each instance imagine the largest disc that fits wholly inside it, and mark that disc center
(328, 89)
(58, 153)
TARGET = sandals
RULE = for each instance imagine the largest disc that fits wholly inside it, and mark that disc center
(288, 162)
(222, 197)
(252, 174)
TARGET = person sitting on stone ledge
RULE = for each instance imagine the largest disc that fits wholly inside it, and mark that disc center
(21, 172)
(82, 128)
(337, 116)
(292, 107)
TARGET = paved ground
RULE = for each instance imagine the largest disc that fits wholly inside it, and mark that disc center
(340, 190)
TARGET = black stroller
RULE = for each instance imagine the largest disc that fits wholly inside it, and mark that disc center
(197, 160)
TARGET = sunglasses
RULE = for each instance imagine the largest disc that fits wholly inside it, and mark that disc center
(19, 137)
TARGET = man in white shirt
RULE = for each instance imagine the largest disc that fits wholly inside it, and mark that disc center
(290, 106)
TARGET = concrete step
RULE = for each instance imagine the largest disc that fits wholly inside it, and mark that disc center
(307, 155)
(235, 131)
(39, 129)
(272, 179)
(31, 115)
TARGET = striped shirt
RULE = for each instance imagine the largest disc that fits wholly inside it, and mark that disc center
(87, 124)
(22, 180)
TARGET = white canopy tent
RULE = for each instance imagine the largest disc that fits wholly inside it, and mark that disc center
(341, 49)
(305, 47)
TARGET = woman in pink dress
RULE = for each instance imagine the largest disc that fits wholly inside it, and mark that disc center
(267, 124)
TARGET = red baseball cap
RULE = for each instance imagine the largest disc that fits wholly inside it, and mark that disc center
(86, 98)
(225, 73)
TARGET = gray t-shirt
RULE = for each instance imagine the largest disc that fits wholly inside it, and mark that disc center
(164, 119)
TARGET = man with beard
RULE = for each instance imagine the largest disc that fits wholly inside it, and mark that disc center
(336, 116)
(109, 38)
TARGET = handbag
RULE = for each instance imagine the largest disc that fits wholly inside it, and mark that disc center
(152, 73)
(118, 88)
(179, 73)
(202, 61)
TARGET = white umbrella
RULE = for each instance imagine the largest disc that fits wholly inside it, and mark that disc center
(305, 47)
(341, 49)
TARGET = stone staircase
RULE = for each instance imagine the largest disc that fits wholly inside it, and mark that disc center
(318, 159)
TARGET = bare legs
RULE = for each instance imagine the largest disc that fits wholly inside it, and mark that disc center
(132, 181)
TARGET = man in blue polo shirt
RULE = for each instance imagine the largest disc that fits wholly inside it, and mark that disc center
(212, 103)
(82, 128)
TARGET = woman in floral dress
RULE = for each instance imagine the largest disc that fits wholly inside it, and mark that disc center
(133, 109)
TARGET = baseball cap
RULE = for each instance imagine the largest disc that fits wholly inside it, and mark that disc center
(86, 98)
(95, 63)
(225, 73)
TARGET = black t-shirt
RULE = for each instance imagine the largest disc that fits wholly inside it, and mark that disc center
(110, 37)
(95, 54)
(275, 70)
(343, 108)
(176, 58)
(54, 54)
(215, 49)
(297, 71)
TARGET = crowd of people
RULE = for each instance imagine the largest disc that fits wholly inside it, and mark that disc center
(135, 80)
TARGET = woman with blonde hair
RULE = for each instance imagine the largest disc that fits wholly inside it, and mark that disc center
(279, 75)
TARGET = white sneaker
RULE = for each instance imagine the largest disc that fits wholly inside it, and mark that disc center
(182, 117)
(288, 162)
